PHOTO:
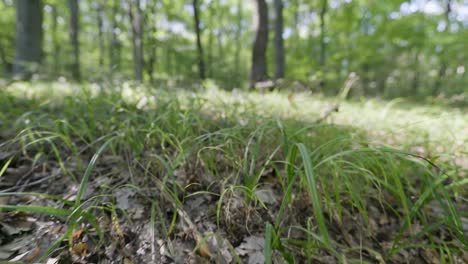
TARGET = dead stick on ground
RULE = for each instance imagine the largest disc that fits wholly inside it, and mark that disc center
(334, 108)
(203, 248)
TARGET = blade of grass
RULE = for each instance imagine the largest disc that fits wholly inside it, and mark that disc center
(314, 194)
(89, 169)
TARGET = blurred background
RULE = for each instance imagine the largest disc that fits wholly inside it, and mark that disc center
(387, 49)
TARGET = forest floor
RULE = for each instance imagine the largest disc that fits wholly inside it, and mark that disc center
(90, 174)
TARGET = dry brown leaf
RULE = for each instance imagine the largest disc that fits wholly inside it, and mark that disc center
(33, 254)
(77, 234)
(80, 249)
(127, 261)
(4, 200)
(204, 250)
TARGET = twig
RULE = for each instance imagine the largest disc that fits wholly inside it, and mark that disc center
(328, 112)
(23, 186)
(203, 247)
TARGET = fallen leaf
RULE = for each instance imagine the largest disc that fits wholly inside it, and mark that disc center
(16, 227)
(80, 249)
(256, 258)
(33, 254)
(127, 261)
(4, 200)
(53, 261)
(253, 248)
(19, 257)
(77, 234)
(204, 250)
(122, 196)
(266, 195)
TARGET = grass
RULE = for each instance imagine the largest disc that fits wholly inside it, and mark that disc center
(378, 181)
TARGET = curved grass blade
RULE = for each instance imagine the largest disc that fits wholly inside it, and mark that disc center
(314, 195)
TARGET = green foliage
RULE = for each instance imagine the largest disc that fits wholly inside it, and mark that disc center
(396, 48)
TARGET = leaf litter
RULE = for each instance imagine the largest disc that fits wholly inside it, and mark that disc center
(189, 224)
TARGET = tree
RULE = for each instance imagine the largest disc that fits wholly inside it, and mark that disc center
(323, 12)
(114, 46)
(279, 43)
(322, 58)
(100, 15)
(238, 36)
(151, 22)
(443, 63)
(28, 44)
(135, 14)
(55, 41)
(259, 62)
(201, 62)
(211, 12)
(74, 37)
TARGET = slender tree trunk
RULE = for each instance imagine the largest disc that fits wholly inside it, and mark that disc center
(100, 21)
(55, 41)
(74, 38)
(323, 12)
(152, 46)
(28, 43)
(221, 55)
(443, 62)
(237, 59)
(322, 59)
(415, 80)
(135, 15)
(201, 63)
(3, 58)
(279, 42)
(259, 63)
(210, 61)
(114, 47)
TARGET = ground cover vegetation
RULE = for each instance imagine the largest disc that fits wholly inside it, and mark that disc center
(209, 131)
(139, 174)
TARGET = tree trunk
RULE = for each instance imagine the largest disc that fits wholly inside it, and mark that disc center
(74, 38)
(415, 81)
(210, 61)
(100, 22)
(114, 47)
(322, 59)
(3, 59)
(237, 59)
(55, 41)
(28, 42)
(152, 29)
(135, 15)
(201, 63)
(279, 43)
(443, 63)
(259, 63)
(323, 12)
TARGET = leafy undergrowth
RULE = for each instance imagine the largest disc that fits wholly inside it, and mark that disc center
(134, 175)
